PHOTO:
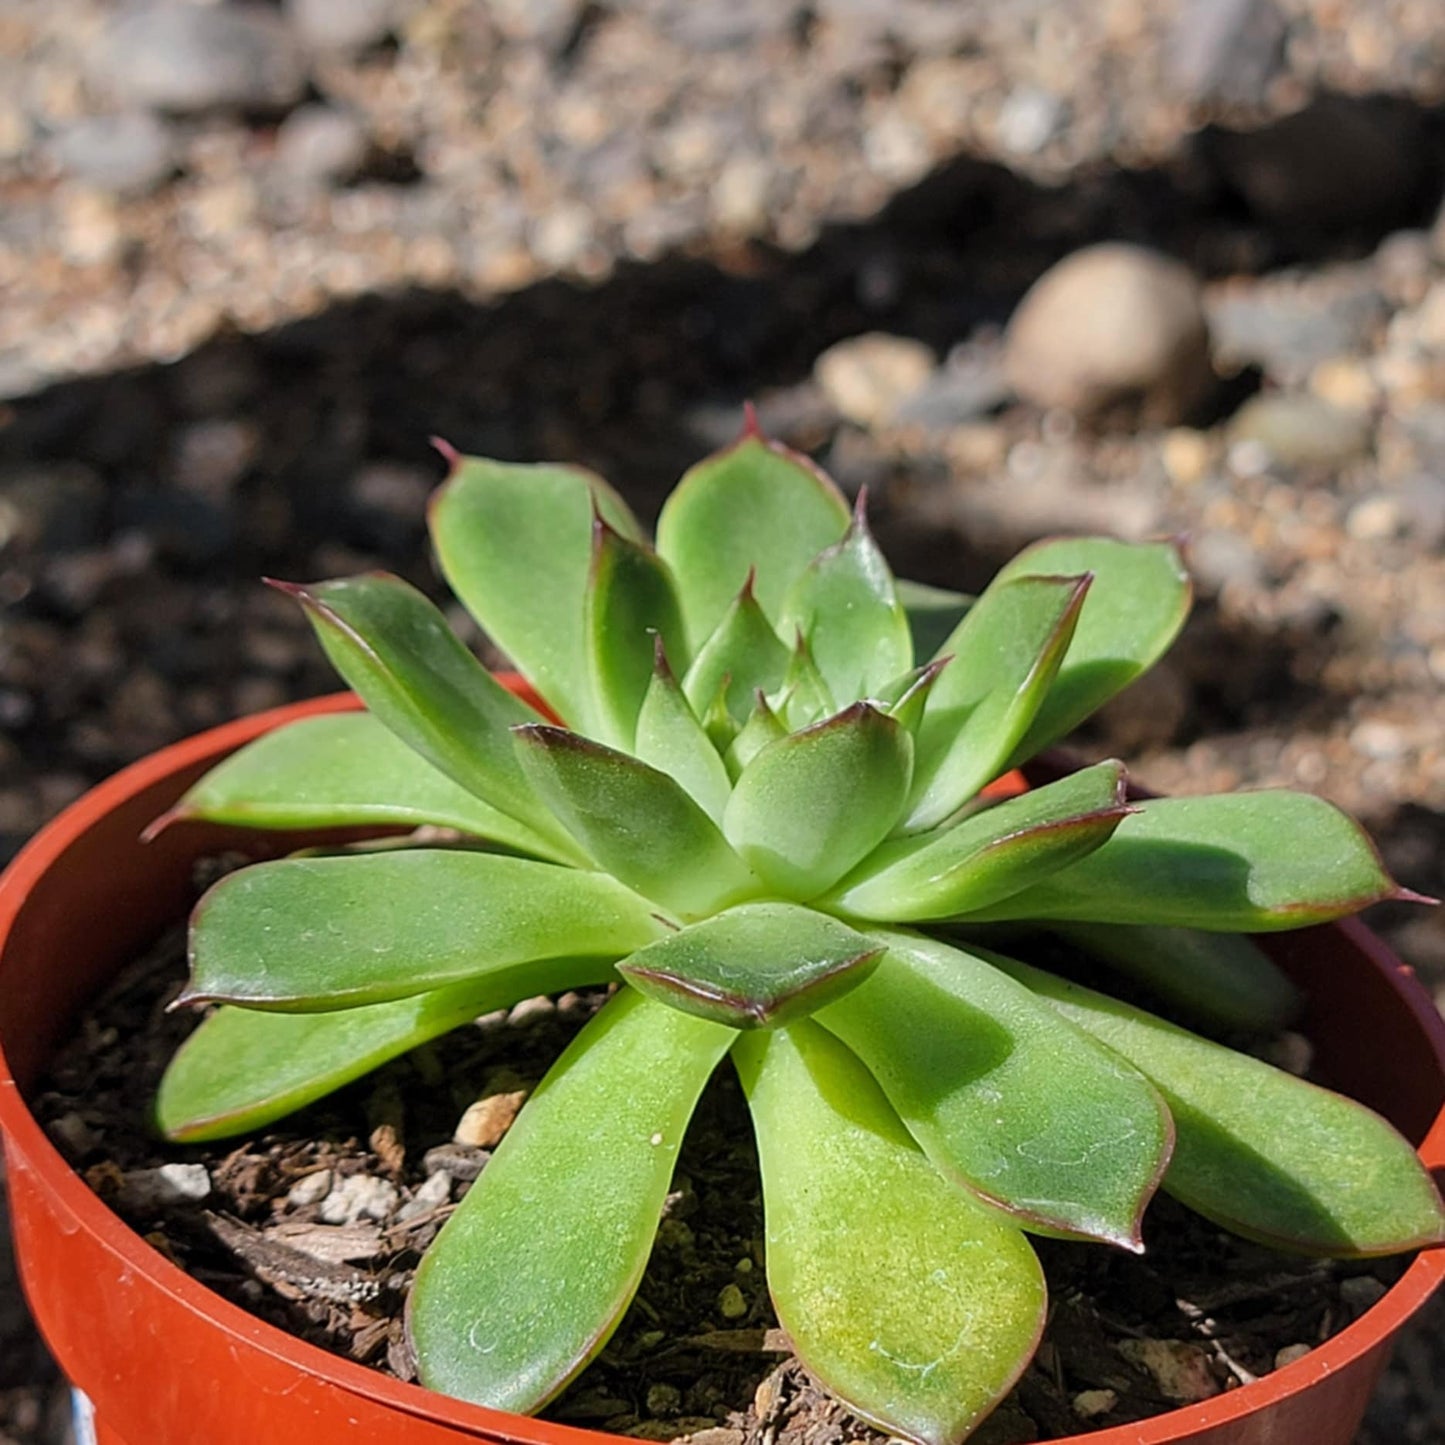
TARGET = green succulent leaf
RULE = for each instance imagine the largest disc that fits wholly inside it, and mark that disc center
(906, 698)
(756, 966)
(804, 696)
(396, 651)
(1005, 654)
(742, 655)
(1262, 1153)
(933, 612)
(1137, 604)
(810, 805)
(513, 1300)
(243, 1069)
(515, 543)
(311, 934)
(631, 606)
(1033, 1116)
(1220, 980)
(845, 605)
(754, 507)
(638, 823)
(988, 855)
(909, 1299)
(764, 726)
(719, 724)
(1216, 863)
(347, 770)
(671, 739)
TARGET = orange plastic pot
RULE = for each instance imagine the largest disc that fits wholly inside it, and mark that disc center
(166, 1362)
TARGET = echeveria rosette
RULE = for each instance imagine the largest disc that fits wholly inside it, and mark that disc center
(769, 823)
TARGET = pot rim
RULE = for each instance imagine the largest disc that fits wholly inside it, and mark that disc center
(32, 1149)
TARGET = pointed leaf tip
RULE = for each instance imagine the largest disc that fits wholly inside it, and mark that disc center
(158, 825)
(757, 966)
(449, 454)
(752, 427)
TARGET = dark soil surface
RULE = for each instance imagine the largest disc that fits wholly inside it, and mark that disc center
(318, 1224)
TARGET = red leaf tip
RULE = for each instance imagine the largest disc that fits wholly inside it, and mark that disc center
(752, 428)
(449, 454)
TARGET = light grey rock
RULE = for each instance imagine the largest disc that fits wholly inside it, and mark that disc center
(547, 23)
(344, 26)
(434, 1192)
(1028, 120)
(310, 1189)
(1226, 50)
(1288, 328)
(1301, 430)
(1112, 327)
(968, 386)
(866, 377)
(127, 155)
(317, 144)
(143, 1189)
(190, 58)
(1220, 559)
(359, 1196)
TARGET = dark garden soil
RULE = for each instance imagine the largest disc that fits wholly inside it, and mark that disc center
(317, 1225)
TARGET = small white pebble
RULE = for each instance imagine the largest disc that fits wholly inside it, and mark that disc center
(170, 1184)
(309, 1189)
(359, 1196)
(1289, 1355)
(529, 1010)
(1090, 1404)
(436, 1191)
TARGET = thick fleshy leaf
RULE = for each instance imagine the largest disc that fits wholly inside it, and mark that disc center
(810, 805)
(910, 1300)
(515, 542)
(671, 739)
(631, 606)
(1005, 654)
(1262, 1153)
(743, 654)
(1219, 980)
(1137, 604)
(243, 1068)
(804, 696)
(754, 507)
(933, 612)
(347, 770)
(845, 605)
(534, 1269)
(638, 823)
(1231, 863)
(989, 854)
(309, 934)
(1005, 1096)
(396, 651)
(756, 966)
(764, 726)
(911, 701)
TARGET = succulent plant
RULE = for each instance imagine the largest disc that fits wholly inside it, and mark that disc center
(781, 839)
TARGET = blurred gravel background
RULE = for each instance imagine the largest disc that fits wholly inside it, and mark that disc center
(252, 255)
